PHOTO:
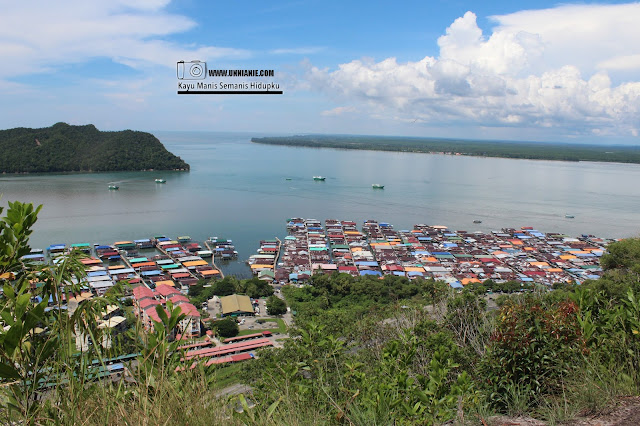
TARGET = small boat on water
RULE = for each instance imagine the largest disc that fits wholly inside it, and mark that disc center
(161, 181)
(319, 178)
(477, 221)
(113, 187)
(288, 178)
(377, 186)
(569, 216)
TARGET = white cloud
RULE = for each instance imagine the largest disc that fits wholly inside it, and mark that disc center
(547, 68)
(338, 111)
(40, 36)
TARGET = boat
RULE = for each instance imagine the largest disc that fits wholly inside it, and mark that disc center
(377, 186)
(569, 216)
(114, 187)
(477, 221)
(288, 179)
(161, 181)
(320, 178)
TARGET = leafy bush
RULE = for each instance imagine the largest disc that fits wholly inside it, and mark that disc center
(533, 350)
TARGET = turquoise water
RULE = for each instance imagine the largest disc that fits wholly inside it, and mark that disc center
(239, 190)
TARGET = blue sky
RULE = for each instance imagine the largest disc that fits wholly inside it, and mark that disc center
(567, 72)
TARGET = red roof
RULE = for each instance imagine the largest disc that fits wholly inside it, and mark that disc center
(142, 291)
(144, 304)
(180, 275)
(178, 298)
(347, 268)
(189, 310)
(166, 290)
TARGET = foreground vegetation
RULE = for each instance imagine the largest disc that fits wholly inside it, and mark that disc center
(364, 351)
(65, 148)
(525, 150)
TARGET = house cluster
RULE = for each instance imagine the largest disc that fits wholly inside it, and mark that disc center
(145, 301)
(456, 257)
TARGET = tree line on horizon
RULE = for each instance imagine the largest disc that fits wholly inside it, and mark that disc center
(502, 149)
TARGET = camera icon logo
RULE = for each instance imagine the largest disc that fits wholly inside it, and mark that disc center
(192, 70)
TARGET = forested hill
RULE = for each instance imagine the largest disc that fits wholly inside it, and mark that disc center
(501, 149)
(66, 148)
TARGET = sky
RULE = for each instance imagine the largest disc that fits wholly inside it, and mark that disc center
(526, 70)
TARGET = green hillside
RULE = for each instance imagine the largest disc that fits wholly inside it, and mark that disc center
(66, 148)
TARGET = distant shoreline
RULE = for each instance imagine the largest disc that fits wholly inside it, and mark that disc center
(509, 150)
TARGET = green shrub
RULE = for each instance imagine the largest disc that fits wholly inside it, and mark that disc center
(534, 348)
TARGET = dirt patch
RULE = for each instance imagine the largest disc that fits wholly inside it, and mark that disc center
(625, 413)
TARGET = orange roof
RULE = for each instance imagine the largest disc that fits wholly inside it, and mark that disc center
(567, 257)
(499, 252)
(166, 282)
(466, 281)
(414, 269)
(529, 249)
(209, 272)
(116, 267)
(122, 242)
(538, 264)
(554, 270)
(430, 259)
(261, 266)
(195, 263)
(516, 242)
(141, 264)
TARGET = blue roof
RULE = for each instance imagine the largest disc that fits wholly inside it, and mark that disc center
(96, 273)
(103, 247)
(150, 273)
(398, 273)
(367, 263)
(33, 256)
(456, 284)
(415, 274)
(142, 241)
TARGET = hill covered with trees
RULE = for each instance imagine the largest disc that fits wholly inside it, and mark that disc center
(66, 148)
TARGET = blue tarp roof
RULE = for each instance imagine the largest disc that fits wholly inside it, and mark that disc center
(96, 273)
(367, 263)
(150, 273)
(398, 273)
(456, 285)
(415, 274)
